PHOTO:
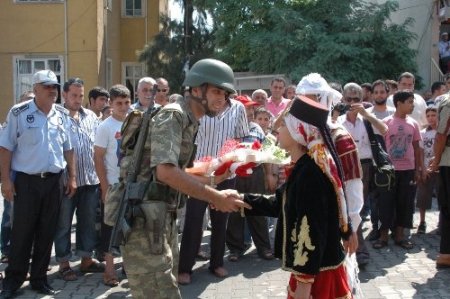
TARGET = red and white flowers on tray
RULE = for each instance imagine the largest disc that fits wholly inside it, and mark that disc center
(239, 158)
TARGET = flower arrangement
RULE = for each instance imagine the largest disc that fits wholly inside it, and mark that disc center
(240, 158)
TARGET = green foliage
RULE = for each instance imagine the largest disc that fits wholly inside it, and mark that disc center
(346, 40)
(165, 55)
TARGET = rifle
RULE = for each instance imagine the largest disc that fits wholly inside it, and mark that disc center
(134, 191)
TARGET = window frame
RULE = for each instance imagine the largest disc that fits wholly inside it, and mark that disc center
(143, 9)
(19, 77)
(136, 79)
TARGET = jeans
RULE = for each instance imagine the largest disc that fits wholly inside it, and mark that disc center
(86, 201)
(6, 227)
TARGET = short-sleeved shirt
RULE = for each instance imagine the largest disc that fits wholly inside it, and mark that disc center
(418, 114)
(83, 137)
(444, 129)
(37, 140)
(381, 115)
(109, 136)
(214, 131)
(428, 136)
(399, 141)
(255, 133)
(359, 134)
(173, 132)
(276, 109)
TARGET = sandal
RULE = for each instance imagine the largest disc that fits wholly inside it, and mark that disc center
(405, 244)
(67, 274)
(378, 244)
(266, 255)
(4, 259)
(233, 257)
(93, 267)
(110, 281)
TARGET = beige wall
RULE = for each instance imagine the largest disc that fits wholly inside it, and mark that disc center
(93, 34)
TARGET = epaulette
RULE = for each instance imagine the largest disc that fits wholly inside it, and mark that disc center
(16, 111)
(62, 109)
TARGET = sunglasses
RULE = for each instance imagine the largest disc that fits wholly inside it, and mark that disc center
(162, 90)
(354, 100)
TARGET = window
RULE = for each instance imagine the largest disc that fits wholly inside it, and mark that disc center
(131, 73)
(25, 68)
(133, 8)
(108, 5)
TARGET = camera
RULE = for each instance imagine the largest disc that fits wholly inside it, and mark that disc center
(342, 108)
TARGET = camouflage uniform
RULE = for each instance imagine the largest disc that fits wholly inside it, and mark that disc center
(151, 253)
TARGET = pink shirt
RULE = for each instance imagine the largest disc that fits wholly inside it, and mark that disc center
(277, 109)
(399, 138)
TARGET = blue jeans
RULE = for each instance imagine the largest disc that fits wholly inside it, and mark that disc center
(6, 227)
(86, 200)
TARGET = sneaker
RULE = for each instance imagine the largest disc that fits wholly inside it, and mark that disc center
(422, 228)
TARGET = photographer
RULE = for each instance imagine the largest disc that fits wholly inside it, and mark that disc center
(353, 121)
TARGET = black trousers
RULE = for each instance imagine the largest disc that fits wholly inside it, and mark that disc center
(444, 203)
(405, 188)
(192, 232)
(36, 210)
(256, 224)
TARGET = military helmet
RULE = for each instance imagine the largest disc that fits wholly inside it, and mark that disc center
(211, 71)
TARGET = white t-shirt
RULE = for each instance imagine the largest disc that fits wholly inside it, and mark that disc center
(108, 136)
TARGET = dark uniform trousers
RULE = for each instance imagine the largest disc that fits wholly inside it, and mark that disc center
(36, 209)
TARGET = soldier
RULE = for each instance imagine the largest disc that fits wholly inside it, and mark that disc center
(151, 265)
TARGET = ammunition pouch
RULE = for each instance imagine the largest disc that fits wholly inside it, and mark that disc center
(154, 214)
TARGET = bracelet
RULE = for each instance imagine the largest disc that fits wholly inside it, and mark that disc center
(212, 182)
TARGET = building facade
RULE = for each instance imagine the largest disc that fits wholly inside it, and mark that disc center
(96, 40)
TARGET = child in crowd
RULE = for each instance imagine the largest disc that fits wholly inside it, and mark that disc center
(402, 143)
(426, 188)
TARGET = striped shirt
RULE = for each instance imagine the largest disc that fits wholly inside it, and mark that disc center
(82, 135)
(214, 131)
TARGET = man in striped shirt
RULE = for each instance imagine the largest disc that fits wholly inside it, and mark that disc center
(86, 199)
(230, 123)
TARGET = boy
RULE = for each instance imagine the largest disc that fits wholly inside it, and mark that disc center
(106, 150)
(426, 188)
(402, 144)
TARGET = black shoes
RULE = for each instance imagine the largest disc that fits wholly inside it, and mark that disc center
(44, 289)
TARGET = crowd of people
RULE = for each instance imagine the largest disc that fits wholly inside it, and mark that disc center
(57, 161)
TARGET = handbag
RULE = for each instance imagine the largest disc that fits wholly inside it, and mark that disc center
(384, 172)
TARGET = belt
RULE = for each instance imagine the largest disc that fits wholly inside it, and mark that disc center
(44, 175)
(364, 161)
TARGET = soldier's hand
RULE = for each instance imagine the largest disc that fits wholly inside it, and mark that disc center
(71, 187)
(8, 190)
(229, 201)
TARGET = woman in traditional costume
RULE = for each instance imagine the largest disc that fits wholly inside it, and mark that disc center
(311, 206)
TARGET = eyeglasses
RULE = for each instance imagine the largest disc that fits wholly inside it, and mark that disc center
(354, 100)
(162, 90)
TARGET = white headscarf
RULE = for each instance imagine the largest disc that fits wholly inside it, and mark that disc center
(315, 84)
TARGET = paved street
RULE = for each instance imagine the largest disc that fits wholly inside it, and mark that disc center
(392, 273)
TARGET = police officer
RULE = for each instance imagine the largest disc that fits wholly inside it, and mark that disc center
(151, 254)
(34, 150)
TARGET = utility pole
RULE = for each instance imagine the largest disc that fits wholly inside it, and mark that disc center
(188, 12)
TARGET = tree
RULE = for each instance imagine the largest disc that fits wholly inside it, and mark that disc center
(165, 55)
(346, 40)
